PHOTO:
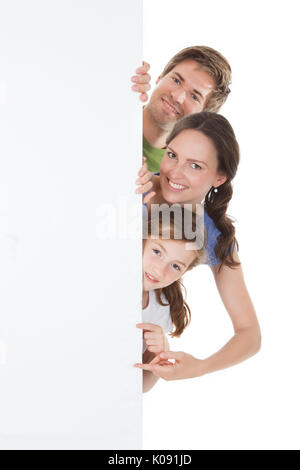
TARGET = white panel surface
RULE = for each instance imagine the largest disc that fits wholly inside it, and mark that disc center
(70, 141)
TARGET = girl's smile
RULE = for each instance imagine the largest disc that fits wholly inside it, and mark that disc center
(150, 278)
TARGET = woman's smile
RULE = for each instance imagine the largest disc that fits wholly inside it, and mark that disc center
(175, 186)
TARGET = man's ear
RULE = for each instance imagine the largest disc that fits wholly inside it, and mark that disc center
(219, 180)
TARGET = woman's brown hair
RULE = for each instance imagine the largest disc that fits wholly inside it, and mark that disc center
(218, 129)
(175, 229)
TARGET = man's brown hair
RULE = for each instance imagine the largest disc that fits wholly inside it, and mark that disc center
(212, 62)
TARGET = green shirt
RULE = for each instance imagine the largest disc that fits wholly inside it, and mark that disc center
(154, 156)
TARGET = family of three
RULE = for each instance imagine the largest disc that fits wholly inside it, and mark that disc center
(191, 156)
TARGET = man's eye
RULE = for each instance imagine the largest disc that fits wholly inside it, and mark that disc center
(196, 167)
(155, 251)
(171, 155)
(176, 266)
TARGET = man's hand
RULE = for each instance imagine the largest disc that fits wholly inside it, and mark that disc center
(154, 337)
(185, 366)
(144, 182)
(142, 81)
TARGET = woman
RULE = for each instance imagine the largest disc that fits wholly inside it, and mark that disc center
(200, 161)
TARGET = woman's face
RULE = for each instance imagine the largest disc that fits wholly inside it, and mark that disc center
(189, 168)
(164, 261)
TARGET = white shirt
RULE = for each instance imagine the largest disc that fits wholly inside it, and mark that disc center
(157, 314)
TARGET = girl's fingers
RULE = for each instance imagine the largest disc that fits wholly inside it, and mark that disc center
(148, 326)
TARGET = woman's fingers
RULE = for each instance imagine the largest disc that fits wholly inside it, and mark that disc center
(148, 197)
(145, 178)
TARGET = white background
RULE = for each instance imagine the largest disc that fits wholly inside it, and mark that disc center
(67, 343)
(254, 405)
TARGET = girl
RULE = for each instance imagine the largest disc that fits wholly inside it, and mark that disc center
(199, 163)
(165, 259)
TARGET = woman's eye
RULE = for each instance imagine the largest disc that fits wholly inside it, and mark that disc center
(176, 80)
(195, 97)
(195, 166)
(177, 267)
(171, 155)
(155, 251)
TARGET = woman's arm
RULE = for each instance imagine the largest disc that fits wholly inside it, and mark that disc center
(244, 344)
(247, 336)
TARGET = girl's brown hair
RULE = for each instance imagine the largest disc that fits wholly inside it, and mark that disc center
(179, 309)
(218, 129)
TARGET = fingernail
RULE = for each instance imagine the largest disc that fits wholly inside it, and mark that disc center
(134, 79)
(139, 70)
(135, 87)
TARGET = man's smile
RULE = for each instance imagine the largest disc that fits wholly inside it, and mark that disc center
(169, 107)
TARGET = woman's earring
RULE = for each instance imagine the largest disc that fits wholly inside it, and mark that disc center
(216, 190)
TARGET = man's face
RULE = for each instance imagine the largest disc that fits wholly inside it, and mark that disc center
(185, 90)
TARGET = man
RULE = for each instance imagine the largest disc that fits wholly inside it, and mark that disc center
(195, 79)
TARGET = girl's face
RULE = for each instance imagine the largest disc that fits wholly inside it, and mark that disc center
(189, 168)
(164, 261)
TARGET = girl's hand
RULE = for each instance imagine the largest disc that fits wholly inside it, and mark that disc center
(144, 182)
(142, 81)
(154, 337)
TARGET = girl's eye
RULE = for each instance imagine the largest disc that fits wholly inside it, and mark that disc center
(171, 155)
(196, 167)
(155, 251)
(176, 266)
(176, 80)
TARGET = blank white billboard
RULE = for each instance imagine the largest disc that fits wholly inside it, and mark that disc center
(70, 149)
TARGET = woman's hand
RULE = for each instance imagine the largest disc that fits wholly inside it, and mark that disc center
(185, 366)
(154, 337)
(144, 182)
(142, 81)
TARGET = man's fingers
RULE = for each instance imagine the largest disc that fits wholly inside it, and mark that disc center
(143, 97)
(140, 79)
(141, 88)
(143, 68)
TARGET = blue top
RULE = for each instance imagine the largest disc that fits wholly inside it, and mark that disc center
(212, 236)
